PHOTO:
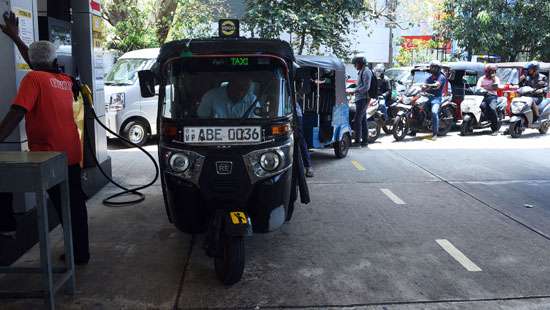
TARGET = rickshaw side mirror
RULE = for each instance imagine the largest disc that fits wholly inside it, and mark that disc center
(147, 83)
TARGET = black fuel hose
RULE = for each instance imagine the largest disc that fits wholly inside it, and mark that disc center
(86, 95)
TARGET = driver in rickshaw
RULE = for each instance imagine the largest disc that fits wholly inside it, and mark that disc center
(233, 100)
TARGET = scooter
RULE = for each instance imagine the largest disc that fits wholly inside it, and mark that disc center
(375, 119)
(522, 113)
(473, 117)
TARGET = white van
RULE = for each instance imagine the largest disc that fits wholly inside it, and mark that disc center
(127, 113)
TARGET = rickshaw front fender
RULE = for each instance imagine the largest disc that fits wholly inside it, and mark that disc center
(237, 224)
(341, 131)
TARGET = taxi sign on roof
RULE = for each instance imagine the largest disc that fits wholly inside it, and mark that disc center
(228, 28)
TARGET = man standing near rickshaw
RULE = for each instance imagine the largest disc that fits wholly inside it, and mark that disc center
(364, 77)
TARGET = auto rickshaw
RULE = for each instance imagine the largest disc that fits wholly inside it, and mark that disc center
(463, 77)
(322, 81)
(227, 150)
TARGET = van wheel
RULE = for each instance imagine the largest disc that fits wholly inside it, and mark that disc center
(230, 264)
(137, 132)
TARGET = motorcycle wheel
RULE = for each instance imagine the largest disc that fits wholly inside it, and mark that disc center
(341, 148)
(388, 127)
(230, 266)
(543, 129)
(500, 117)
(446, 121)
(374, 131)
(516, 129)
(465, 127)
(400, 128)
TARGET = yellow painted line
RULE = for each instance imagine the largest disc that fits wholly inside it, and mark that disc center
(358, 166)
(428, 137)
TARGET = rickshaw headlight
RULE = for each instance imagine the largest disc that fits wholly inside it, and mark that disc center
(270, 161)
(179, 162)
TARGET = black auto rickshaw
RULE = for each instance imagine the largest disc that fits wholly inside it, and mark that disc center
(227, 152)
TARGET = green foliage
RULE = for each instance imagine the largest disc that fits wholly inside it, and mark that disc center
(312, 23)
(132, 31)
(509, 29)
(137, 24)
(194, 19)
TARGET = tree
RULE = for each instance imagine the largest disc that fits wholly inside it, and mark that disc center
(129, 25)
(139, 24)
(508, 28)
(313, 23)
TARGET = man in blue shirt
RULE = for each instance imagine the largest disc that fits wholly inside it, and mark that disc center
(435, 84)
(233, 100)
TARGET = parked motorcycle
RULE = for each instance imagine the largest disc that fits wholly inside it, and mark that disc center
(522, 113)
(375, 119)
(412, 114)
(473, 116)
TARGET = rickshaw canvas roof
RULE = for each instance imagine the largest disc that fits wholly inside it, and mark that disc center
(330, 63)
(466, 66)
(325, 62)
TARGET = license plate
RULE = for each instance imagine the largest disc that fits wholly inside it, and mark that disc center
(222, 135)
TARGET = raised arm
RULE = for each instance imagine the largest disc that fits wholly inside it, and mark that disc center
(11, 29)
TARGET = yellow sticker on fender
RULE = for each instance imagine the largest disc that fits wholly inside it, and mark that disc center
(238, 218)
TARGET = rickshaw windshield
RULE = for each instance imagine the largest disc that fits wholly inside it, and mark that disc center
(508, 75)
(226, 88)
(420, 77)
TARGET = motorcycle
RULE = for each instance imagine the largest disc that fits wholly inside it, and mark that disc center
(522, 113)
(473, 117)
(412, 114)
(375, 119)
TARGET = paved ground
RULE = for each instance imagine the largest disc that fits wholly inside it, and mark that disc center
(459, 223)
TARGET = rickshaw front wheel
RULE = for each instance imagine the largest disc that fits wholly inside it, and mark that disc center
(230, 264)
(341, 147)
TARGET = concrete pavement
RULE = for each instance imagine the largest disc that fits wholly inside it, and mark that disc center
(405, 232)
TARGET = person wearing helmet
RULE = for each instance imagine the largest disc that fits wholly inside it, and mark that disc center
(537, 81)
(490, 82)
(434, 85)
(384, 87)
(364, 77)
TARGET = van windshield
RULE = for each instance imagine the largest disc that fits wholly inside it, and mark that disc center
(124, 72)
(226, 88)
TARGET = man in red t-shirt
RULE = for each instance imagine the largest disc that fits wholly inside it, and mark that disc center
(45, 100)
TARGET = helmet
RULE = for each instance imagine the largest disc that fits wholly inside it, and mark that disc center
(380, 68)
(359, 60)
(490, 69)
(532, 65)
(435, 63)
(435, 66)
